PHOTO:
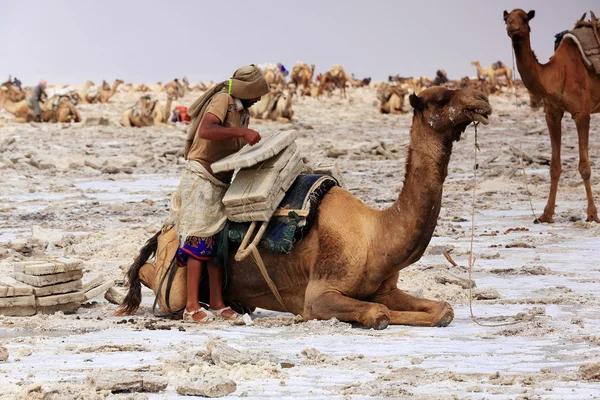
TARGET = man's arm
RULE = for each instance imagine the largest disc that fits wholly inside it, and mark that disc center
(211, 129)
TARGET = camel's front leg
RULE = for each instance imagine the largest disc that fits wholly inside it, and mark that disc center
(553, 118)
(327, 305)
(409, 310)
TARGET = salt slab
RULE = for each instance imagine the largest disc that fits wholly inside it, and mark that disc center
(48, 267)
(269, 146)
(18, 301)
(46, 280)
(59, 288)
(67, 308)
(10, 287)
(99, 290)
(91, 281)
(59, 299)
(258, 185)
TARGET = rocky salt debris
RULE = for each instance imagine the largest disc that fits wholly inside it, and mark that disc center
(3, 354)
(223, 354)
(127, 382)
(207, 387)
(115, 295)
(590, 372)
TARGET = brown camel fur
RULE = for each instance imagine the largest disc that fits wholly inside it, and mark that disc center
(301, 76)
(140, 114)
(177, 89)
(565, 84)
(347, 266)
(107, 92)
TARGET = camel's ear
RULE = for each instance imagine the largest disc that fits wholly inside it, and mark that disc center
(416, 102)
(505, 15)
(530, 15)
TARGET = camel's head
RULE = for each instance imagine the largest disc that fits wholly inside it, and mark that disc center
(449, 112)
(284, 103)
(517, 23)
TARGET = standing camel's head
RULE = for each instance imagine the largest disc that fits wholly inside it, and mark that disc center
(449, 112)
(475, 63)
(517, 23)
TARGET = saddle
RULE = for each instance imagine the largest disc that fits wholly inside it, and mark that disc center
(586, 35)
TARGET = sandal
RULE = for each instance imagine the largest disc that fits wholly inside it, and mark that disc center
(188, 316)
(219, 313)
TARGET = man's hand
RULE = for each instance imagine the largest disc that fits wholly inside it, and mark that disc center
(251, 136)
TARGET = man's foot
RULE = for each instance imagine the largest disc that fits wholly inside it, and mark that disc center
(226, 313)
(200, 315)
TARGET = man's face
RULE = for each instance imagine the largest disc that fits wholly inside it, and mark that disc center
(247, 103)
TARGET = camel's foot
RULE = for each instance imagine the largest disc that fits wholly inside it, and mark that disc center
(377, 318)
(544, 218)
(593, 217)
(445, 315)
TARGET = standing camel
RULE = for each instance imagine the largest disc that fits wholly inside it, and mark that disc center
(348, 264)
(565, 84)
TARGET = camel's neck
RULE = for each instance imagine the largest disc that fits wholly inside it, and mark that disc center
(114, 88)
(529, 68)
(168, 108)
(408, 225)
(479, 68)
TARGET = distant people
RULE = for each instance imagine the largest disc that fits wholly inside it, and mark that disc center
(16, 82)
(36, 99)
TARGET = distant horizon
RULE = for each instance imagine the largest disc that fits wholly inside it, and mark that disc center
(207, 41)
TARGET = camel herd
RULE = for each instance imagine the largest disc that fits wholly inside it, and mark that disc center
(276, 106)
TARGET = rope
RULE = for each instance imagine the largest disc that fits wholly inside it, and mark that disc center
(471, 257)
(525, 178)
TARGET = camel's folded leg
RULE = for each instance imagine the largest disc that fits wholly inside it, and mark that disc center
(409, 310)
(328, 305)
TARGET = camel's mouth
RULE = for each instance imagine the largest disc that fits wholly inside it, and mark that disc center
(479, 115)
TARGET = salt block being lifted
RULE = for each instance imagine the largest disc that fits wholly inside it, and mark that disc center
(261, 184)
(269, 146)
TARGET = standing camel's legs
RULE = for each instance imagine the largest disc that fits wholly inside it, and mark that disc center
(553, 120)
(410, 310)
(582, 121)
(327, 305)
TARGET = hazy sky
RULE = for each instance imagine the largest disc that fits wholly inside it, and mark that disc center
(71, 41)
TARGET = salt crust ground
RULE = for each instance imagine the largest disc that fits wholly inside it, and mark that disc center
(549, 271)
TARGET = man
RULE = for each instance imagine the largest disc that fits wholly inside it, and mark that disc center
(16, 82)
(36, 98)
(219, 128)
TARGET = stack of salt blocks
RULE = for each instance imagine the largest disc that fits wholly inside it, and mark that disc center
(47, 287)
(266, 172)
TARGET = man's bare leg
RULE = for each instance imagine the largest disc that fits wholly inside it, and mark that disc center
(194, 273)
(215, 280)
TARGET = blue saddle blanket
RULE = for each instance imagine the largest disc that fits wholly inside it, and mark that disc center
(306, 193)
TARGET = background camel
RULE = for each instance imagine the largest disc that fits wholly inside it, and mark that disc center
(476, 84)
(140, 114)
(161, 114)
(352, 277)
(59, 110)
(273, 75)
(107, 92)
(90, 93)
(564, 84)
(338, 77)
(391, 99)
(275, 105)
(301, 76)
(493, 72)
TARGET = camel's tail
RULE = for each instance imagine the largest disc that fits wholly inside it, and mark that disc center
(134, 294)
